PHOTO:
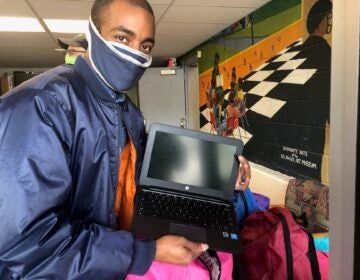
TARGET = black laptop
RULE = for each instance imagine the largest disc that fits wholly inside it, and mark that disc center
(187, 186)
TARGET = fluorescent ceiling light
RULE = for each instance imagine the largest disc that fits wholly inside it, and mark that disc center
(66, 25)
(20, 24)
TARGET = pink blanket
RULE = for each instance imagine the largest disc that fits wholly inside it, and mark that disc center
(194, 271)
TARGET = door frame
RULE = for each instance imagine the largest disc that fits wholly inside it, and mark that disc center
(343, 130)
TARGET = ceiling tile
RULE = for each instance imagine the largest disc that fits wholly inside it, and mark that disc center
(11, 8)
(204, 29)
(59, 9)
(28, 50)
(158, 11)
(179, 44)
(63, 9)
(197, 14)
(24, 40)
(154, 2)
(47, 60)
(223, 3)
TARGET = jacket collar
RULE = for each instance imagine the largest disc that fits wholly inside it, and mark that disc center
(102, 91)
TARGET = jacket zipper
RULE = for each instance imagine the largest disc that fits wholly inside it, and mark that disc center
(112, 208)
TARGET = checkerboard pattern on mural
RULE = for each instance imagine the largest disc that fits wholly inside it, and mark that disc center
(261, 87)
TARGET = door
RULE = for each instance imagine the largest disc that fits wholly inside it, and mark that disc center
(192, 96)
(162, 96)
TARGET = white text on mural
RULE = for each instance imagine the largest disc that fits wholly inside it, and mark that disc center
(297, 156)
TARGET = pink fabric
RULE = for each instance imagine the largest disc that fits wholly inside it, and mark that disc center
(323, 259)
(194, 271)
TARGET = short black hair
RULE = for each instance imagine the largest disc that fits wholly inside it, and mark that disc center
(317, 13)
(99, 6)
(231, 97)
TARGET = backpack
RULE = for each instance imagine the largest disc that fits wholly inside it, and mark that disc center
(277, 247)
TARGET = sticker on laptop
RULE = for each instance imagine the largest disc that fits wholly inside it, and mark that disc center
(233, 236)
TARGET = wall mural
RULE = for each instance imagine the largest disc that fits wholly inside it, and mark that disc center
(266, 80)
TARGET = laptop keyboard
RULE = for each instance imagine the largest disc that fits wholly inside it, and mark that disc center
(191, 211)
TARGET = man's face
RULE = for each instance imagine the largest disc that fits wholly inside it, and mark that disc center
(129, 25)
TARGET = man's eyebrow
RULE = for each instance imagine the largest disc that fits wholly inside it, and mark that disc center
(123, 29)
(149, 40)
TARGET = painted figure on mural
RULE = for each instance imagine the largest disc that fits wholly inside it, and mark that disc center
(216, 72)
(225, 103)
(231, 111)
(317, 52)
(316, 48)
(240, 96)
(233, 83)
(295, 84)
(319, 23)
(218, 105)
(215, 94)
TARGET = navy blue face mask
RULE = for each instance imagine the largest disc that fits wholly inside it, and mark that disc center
(117, 65)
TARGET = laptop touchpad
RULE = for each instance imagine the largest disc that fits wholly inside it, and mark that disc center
(190, 232)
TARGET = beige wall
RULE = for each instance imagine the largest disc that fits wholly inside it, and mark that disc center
(269, 182)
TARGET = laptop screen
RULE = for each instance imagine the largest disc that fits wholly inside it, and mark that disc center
(190, 160)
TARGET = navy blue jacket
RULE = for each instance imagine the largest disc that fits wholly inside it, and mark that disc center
(59, 160)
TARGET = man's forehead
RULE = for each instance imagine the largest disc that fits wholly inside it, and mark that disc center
(123, 15)
(124, 6)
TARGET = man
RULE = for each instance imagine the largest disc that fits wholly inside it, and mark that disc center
(71, 149)
(74, 47)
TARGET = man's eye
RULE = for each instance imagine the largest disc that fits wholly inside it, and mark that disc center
(122, 39)
(147, 48)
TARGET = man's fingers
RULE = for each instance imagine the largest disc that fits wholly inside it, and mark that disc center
(195, 247)
(244, 174)
(246, 167)
(242, 185)
(177, 250)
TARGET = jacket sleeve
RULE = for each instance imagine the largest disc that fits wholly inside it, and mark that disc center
(38, 239)
(244, 204)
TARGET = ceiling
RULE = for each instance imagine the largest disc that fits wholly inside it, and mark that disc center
(181, 26)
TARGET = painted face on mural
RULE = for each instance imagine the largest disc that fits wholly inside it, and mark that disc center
(321, 30)
(329, 23)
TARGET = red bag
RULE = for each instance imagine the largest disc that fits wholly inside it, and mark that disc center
(323, 259)
(277, 247)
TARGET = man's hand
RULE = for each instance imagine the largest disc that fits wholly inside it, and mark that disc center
(244, 174)
(178, 250)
